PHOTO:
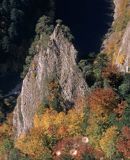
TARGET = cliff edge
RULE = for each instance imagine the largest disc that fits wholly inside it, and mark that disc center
(56, 63)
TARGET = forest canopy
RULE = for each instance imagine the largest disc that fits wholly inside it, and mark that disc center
(17, 28)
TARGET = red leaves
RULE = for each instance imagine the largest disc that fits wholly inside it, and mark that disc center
(123, 145)
(75, 147)
(112, 74)
(120, 109)
(102, 98)
(126, 132)
(109, 71)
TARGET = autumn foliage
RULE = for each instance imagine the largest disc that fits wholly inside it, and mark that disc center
(89, 129)
(75, 147)
(102, 99)
(108, 141)
(112, 74)
(120, 109)
(123, 145)
(110, 70)
(52, 124)
(59, 124)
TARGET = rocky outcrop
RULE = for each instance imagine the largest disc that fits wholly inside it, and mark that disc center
(117, 4)
(117, 43)
(124, 51)
(59, 61)
(122, 59)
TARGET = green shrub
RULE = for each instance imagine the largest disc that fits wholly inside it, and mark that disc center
(67, 32)
(46, 156)
(43, 30)
(42, 107)
(14, 154)
(44, 25)
(88, 157)
(7, 144)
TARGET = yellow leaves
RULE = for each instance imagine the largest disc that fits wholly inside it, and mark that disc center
(37, 121)
(4, 129)
(59, 119)
(45, 120)
(51, 123)
(107, 142)
(70, 121)
(31, 144)
(94, 131)
(121, 59)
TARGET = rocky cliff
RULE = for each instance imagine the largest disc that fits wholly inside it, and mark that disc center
(124, 51)
(57, 62)
(117, 44)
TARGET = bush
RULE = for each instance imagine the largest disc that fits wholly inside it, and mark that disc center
(101, 61)
(8, 144)
(108, 141)
(88, 157)
(5, 146)
(14, 154)
(102, 100)
(45, 156)
(44, 25)
(67, 33)
(43, 30)
(113, 76)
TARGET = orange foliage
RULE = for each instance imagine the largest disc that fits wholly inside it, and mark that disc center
(120, 109)
(60, 124)
(32, 143)
(80, 103)
(112, 74)
(102, 99)
(110, 70)
(123, 144)
(52, 124)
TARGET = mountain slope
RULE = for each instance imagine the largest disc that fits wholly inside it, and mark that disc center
(54, 66)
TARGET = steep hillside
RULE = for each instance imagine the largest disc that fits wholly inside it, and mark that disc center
(69, 110)
(117, 43)
(56, 66)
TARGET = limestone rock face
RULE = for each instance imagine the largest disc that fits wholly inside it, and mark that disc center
(117, 43)
(124, 51)
(59, 61)
(117, 6)
(124, 48)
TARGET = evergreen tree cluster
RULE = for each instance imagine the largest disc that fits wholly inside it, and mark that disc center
(17, 26)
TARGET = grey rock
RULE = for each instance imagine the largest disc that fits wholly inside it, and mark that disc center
(58, 60)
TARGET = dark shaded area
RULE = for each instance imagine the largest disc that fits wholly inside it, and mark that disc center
(10, 86)
(89, 21)
(13, 59)
(8, 82)
(34, 11)
(17, 30)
